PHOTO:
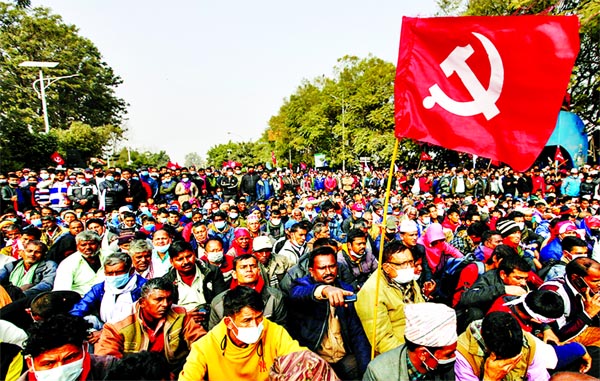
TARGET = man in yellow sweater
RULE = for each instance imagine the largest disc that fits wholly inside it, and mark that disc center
(243, 346)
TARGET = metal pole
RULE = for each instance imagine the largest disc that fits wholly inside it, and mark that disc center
(43, 96)
(343, 136)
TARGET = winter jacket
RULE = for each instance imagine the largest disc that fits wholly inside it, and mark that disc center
(129, 335)
(43, 276)
(309, 319)
(484, 292)
(90, 303)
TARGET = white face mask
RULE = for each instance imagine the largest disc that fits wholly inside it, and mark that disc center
(521, 225)
(249, 335)
(426, 220)
(404, 276)
(215, 256)
(68, 372)
(162, 249)
(358, 214)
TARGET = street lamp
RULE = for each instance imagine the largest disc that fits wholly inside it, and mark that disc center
(343, 130)
(44, 83)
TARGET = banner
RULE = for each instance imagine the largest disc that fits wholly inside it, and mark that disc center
(490, 86)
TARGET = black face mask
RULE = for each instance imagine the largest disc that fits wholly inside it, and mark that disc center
(595, 232)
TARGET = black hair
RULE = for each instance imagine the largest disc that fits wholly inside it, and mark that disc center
(477, 229)
(51, 303)
(179, 247)
(54, 332)
(391, 248)
(545, 303)
(569, 242)
(354, 234)
(243, 257)
(34, 232)
(512, 263)
(487, 234)
(322, 250)
(501, 252)
(236, 299)
(214, 238)
(142, 365)
(502, 334)
(580, 266)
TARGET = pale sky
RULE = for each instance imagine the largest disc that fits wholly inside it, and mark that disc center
(198, 73)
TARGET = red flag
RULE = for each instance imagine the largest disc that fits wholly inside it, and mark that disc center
(303, 166)
(490, 86)
(171, 165)
(558, 156)
(425, 156)
(273, 158)
(57, 158)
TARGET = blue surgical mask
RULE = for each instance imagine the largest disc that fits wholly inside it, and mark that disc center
(162, 249)
(150, 227)
(117, 281)
(110, 178)
(220, 224)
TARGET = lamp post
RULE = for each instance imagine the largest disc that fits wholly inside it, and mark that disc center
(343, 130)
(44, 83)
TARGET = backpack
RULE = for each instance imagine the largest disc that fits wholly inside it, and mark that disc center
(447, 278)
(546, 268)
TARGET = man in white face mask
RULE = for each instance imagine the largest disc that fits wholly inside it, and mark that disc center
(397, 287)
(56, 350)
(244, 345)
(428, 353)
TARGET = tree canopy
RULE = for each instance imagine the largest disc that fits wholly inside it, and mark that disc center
(85, 99)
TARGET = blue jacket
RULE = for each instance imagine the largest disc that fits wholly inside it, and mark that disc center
(308, 318)
(90, 303)
(553, 250)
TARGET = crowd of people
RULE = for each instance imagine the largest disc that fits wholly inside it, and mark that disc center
(254, 273)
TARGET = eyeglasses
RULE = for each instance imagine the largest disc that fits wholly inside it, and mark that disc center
(403, 265)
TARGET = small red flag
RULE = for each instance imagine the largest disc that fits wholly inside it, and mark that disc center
(57, 158)
(425, 156)
(303, 166)
(171, 165)
(273, 158)
(490, 86)
(558, 156)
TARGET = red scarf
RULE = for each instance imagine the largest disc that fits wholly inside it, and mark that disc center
(257, 287)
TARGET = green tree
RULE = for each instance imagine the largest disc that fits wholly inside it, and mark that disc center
(195, 159)
(139, 159)
(89, 98)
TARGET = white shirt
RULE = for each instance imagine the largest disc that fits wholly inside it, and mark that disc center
(191, 297)
(75, 274)
(160, 266)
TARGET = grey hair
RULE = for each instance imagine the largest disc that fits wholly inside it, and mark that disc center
(140, 246)
(319, 227)
(117, 258)
(88, 235)
(157, 284)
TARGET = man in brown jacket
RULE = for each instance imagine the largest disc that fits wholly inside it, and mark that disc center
(155, 326)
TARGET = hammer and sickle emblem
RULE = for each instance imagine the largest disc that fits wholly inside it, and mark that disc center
(484, 100)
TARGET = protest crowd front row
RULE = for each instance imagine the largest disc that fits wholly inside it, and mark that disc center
(255, 274)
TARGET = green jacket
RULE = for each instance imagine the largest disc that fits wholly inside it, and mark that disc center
(130, 336)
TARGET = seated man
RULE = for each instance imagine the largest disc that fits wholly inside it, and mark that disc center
(246, 273)
(112, 300)
(244, 345)
(213, 254)
(32, 274)
(273, 266)
(196, 282)
(572, 248)
(355, 256)
(397, 287)
(155, 326)
(56, 349)
(82, 269)
(140, 252)
(66, 244)
(579, 289)
(428, 352)
(509, 278)
(498, 349)
(322, 320)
